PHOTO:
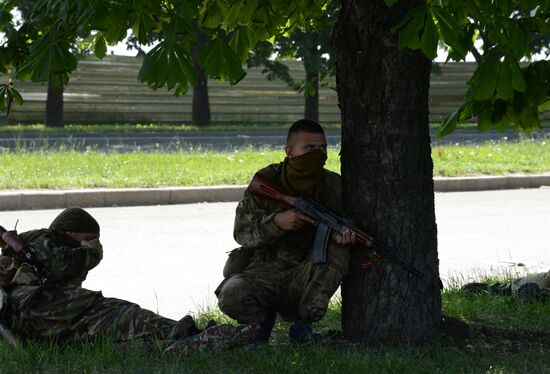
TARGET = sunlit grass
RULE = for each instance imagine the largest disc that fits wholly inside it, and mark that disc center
(183, 127)
(492, 158)
(148, 127)
(67, 168)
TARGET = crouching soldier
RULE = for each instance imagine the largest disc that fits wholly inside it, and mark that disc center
(273, 272)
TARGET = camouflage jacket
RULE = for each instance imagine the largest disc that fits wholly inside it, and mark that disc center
(68, 265)
(254, 226)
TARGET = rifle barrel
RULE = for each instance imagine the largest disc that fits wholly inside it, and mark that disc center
(386, 250)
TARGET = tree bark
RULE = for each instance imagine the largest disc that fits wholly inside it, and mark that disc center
(201, 104)
(387, 175)
(312, 101)
(54, 104)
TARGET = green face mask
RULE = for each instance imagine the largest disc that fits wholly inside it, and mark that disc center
(303, 175)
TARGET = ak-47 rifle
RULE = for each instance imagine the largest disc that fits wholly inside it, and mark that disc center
(326, 222)
(19, 246)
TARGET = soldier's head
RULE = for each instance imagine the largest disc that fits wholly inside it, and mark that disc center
(303, 137)
(76, 223)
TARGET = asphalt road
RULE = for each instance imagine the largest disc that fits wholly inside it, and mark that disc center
(170, 258)
(219, 141)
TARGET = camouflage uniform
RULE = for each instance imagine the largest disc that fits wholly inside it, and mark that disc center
(62, 309)
(280, 275)
(542, 280)
(532, 286)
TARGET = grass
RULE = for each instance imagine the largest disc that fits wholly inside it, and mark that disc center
(492, 158)
(150, 127)
(66, 168)
(154, 127)
(480, 355)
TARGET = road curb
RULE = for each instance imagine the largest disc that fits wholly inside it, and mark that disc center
(104, 197)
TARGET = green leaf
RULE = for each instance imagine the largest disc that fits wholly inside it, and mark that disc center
(3, 97)
(537, 76)
(430, 38)
(450, 31)
(448, 125)
(248, 11)
(16, 95)
(389, 3)
(529, 117)
(100, 46)
(517, 38)
(518, 82)
(504, 85)
(499, 109)
(486, 79)
(484, 123)
(219, 61)
(5, 18)
(231, 18)
(240, 43)
(409, 36)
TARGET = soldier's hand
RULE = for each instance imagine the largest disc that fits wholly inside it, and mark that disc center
(291, 220)
(95, 244)
(345, 237)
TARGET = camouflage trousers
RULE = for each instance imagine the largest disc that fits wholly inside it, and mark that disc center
(297, 291)
(541, 279)
(74, 313)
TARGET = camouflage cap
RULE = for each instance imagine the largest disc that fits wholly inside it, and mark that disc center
(75, 219)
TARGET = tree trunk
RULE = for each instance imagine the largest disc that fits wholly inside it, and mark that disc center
(387, 175)
(54, 104)
(201, 104)
(312, 101)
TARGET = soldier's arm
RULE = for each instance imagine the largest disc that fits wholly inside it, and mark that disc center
(66, 262)
(254, 224)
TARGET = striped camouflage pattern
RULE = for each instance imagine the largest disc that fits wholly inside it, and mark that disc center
(62, 309)
(216, 339)
(281, 275)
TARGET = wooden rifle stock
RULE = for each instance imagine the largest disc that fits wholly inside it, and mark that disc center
(262, 186)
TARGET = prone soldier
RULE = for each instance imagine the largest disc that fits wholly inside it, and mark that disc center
(51, 303)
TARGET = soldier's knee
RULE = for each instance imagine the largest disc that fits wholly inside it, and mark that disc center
(234, 296)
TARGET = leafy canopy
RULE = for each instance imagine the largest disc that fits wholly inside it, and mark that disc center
(502, 92)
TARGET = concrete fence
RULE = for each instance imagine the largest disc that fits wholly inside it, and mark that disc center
(108, 92)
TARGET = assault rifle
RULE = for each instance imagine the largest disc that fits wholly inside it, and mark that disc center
(326, 222)
(19, 246)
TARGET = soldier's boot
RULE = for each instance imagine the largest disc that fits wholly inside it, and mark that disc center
(210, 323)
(301, 332)
(184, 328)
(215, 339)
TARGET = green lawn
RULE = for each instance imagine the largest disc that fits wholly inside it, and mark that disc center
(480, 354)
(153, 127)
(58, 169)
